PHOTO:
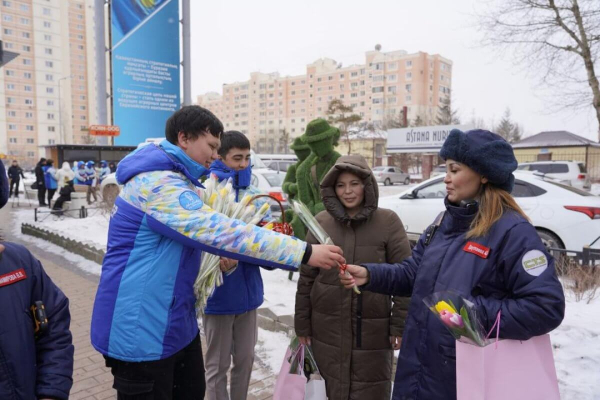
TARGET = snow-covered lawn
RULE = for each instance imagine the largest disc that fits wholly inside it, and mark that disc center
(576, 342)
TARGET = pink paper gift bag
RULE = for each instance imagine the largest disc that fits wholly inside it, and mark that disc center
(290, 386)
(507, 369)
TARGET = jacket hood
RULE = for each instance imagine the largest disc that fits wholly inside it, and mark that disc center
(150, 158)
(241, 179)
(66, 167)
(358, 166)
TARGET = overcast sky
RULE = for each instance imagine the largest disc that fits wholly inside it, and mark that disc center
(231, 38)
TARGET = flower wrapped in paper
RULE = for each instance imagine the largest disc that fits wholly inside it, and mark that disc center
(459, 316)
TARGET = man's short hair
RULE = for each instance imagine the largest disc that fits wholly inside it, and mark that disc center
(193, 121)
(231, 140)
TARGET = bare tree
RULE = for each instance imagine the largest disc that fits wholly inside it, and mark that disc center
(558, 39)
(284, 141)
(344, 118)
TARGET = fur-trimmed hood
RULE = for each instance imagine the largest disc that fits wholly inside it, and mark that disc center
(358, 166)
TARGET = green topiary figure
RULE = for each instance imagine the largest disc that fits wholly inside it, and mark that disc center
(319, 137)
(290, 187)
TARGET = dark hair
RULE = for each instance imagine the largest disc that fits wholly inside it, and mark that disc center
(193, 121)
(50, 162)
(231, 140)
(42, 159)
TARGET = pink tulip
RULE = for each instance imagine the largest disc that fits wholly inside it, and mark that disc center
(452, 320)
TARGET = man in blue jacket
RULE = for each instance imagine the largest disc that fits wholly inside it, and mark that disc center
(144, 319)
(230, 323)
(33, 365)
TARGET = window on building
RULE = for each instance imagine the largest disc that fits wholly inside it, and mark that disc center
(49, 64)
(24, 21)
(10, 86)
(28, 88)
(26, 35)
(11, 100)
(51, 141)
(51, 129)
(378, 89)
(8, 31)
(24, 7)
(10, 72)
(46, 11)
(409, 75)
(8, 45)
(30, 154)
(409, 63)
(391, 89)
(6, 4)
(408, 87)
(27, 75)
(12, 139)
(26, 61)
(50, 116)
(12, 114)
(28, 115)
(12, 127)
(408, 98)
(48, 51)
(30, 141)
(50, 103)
(29, 128)
(26, 48)
(7, 18)
(49, 77)
(49, 90)
(48, 38)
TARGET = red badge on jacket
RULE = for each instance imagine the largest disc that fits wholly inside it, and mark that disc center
(12, 277)
(477, 249)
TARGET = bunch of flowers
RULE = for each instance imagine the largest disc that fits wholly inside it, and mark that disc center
(316, 229)
(459, 315)
(220, 196)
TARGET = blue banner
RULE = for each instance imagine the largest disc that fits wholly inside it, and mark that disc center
(145, 67)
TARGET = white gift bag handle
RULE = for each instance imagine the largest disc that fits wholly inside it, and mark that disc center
(497, 326)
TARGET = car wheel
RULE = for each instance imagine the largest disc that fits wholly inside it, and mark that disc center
(387, 182)
(550, 240)
(109, 194)
(407, 181)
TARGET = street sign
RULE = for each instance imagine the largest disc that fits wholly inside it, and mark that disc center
(105, 130)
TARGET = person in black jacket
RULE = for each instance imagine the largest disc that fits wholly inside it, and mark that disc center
(34, 363)
(65, 195)
(15, 173)
(40, 182)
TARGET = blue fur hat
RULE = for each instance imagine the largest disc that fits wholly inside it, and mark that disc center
(3, 186)
(484, 152)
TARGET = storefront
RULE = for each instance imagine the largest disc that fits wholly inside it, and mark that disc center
(76, 152)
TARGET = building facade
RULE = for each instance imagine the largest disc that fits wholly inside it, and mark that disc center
(46, 96)
(272, 110)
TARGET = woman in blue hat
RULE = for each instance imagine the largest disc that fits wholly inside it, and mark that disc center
(481, 247)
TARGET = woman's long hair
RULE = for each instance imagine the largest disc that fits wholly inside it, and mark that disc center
(493, 202)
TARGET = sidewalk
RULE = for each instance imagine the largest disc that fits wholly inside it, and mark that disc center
(91, 380)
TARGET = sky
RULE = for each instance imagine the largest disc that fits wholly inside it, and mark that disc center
(231, 39)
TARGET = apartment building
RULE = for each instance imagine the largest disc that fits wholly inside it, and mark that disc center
(272, 109)
(46, 94)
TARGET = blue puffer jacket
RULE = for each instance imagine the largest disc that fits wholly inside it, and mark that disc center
(242, 290)
(29, 368)
(50, 177)
(517, 277)
(145, 304)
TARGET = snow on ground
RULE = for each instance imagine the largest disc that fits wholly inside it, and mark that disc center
(271, 348)
(280, 292)
(595, 189)
(576, 345)
(92, 230)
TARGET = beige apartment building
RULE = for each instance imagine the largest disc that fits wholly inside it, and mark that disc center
(269, 107)
(47, 94)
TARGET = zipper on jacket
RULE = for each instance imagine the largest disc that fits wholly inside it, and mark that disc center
(359, 307)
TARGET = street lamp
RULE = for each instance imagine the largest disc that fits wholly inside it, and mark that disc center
(60, 124)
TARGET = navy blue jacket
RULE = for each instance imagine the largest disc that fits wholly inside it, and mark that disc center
(30, 368)
(242, 290)
(506, 280)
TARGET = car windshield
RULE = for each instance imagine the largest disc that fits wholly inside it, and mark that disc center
(379, 168)
(274, 179)
(569, 188)
(440, 168)
(582, 168)
(257, 162)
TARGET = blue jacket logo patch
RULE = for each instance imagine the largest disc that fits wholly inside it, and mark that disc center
(190, 200)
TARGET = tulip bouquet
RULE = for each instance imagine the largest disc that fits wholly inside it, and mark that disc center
(458, 315)
(316, 229)
(220, 196)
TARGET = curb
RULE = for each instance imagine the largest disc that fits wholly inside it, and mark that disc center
(269, 321)
(84, 250)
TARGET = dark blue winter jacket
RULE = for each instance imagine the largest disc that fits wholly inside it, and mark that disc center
(517, 277)
(242, 290)
(31, 368)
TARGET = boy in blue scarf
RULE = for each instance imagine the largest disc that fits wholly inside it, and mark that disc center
(230, 323)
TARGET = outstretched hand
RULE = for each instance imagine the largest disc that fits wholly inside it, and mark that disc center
(357, 276)
(326, 256)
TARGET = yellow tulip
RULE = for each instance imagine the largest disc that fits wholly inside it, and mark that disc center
(442, 305)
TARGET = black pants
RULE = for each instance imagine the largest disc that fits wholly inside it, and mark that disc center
(15, 183)
(50, 196)
(42, 194)
(179, 377)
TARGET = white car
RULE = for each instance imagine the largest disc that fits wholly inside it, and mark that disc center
(390, 175)
(565, 217)
(570, 172)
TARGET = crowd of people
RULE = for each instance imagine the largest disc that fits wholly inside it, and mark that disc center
(49, 180)
(144, 318)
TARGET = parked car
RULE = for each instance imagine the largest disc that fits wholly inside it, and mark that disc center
(278, 162)
(570, 172)
(390, 175)
(564, 217)
(439, 170)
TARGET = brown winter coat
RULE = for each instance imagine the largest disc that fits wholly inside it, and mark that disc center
(350, 333)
